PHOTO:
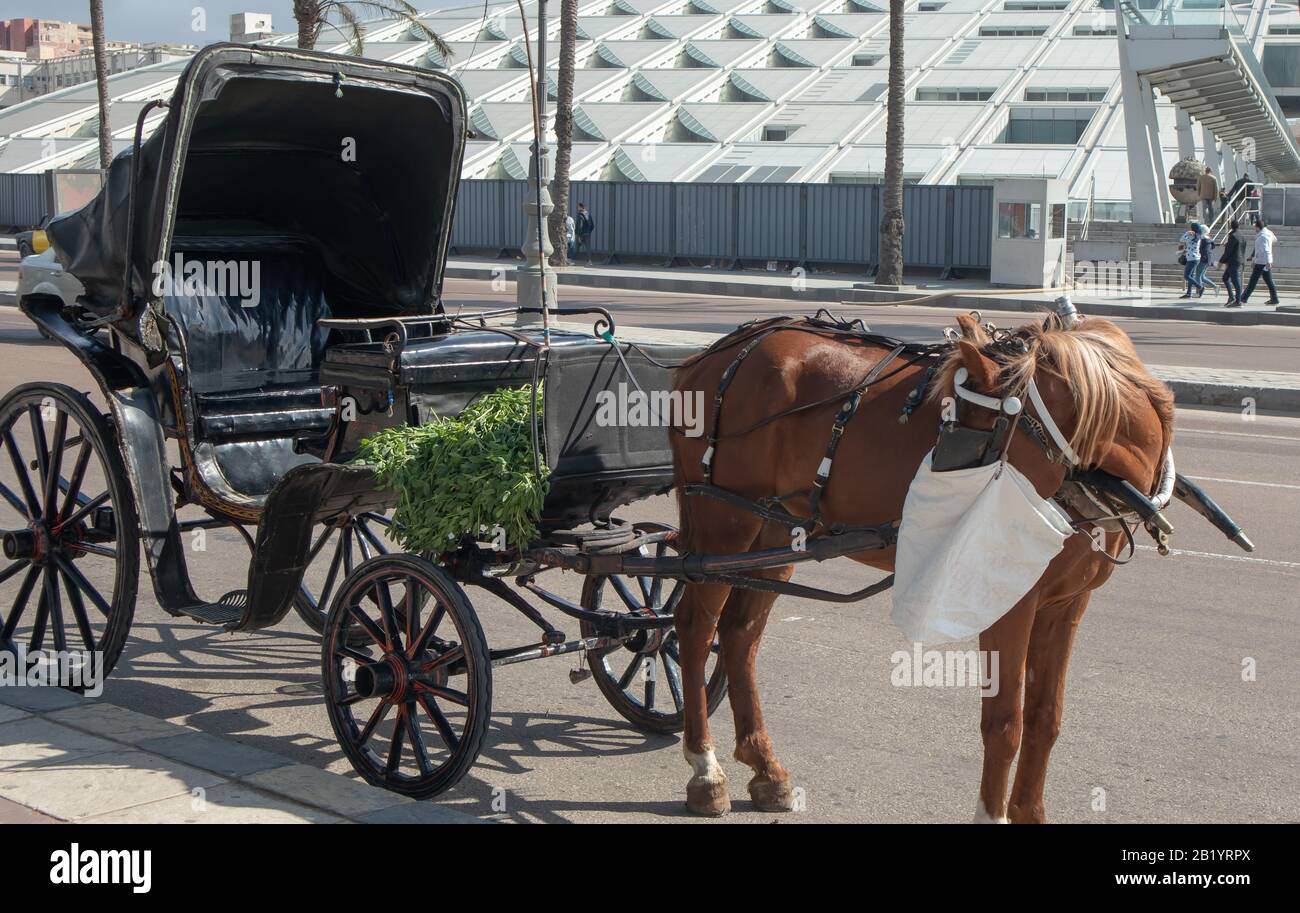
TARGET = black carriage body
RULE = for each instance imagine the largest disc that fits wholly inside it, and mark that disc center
(283, 161)
(603, 450)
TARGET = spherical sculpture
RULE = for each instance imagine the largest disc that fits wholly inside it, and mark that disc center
(1182, 180)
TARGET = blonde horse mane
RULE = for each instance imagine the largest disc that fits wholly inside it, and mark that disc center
(1098, 364)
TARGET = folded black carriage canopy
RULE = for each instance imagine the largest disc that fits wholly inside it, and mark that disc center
(337, 176)
(359, 158)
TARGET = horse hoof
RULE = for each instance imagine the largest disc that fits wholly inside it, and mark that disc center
(771, 795)
(708, 797)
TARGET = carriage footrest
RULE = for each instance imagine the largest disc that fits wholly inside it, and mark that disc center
(226, 610)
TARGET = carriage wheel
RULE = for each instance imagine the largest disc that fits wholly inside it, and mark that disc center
(642, 677)
(337, 549)
(411, 708)
(70, 535)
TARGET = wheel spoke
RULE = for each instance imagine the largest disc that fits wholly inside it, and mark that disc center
(364, 546)
(38, 439)
(674, 598)
(650, 683)
(391, 627)
(91, 548)
(14, 501)
(323, 603)
(318, 545)
(12, 569)
(56, 608)
(74, 481)
(625, 593)
(440, 721)
(630, 672)
(674, 676)
(345, 546)
(395, 746)
(376, 717)
(368, 625)
(417, 742)
(79, 612)
(20, 469)
(427, 631)
(20, 602)
(54, 464)
(42, 618)
(85, 509)
(352, 653)
(410, 611)
(83, 584)
(374, 540)
(446, 694)
(449, 658)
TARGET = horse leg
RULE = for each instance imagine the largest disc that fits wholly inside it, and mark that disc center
(739, 630)
(696, 620)
(1000, 713)
(1050, 642)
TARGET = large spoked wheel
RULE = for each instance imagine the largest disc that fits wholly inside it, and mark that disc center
(338, 548)
(71, 553)
(411, 706)
(642, 677)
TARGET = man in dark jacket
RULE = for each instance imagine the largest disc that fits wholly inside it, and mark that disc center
(1234, 252)
(586, 225)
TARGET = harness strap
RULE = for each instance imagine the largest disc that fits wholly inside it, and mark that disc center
(723, 383)
(842, 418)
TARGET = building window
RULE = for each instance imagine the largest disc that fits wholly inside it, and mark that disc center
(1046, 126)
(1035, 5)
(1012, 31)
(1019, 220)
(946, 94)
(930, 7)
(1094, 31)
(778, 134)
(1063, 94)
(866, 60)
(1056, 224)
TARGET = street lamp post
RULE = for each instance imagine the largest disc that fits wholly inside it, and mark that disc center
(534, 281)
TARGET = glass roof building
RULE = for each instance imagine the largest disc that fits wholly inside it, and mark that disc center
(762, 90)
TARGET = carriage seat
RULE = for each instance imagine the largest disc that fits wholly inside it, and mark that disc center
(252, 362)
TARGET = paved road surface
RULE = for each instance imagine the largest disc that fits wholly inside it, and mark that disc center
(1158, 714)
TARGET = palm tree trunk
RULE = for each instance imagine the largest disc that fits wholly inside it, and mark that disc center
(308, 15)
(891, 216)
(101, 81)
(563, 132)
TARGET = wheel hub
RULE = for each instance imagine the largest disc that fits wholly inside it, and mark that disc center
(31, 543)
(389, 678)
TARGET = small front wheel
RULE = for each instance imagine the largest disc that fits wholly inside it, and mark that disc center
(408, 677)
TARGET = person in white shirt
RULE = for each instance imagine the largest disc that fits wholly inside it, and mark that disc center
(1263, 257)
(569, 237)
(1190, 245)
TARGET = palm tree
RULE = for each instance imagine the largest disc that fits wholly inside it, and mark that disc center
(101, 81)
(314, 15)
(563, 131)
(891, 216)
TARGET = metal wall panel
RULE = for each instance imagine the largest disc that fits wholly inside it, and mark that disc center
(24, 200)
(643, 220)
(818, 223)
(842, 223)
(770, 221)
(705, 220)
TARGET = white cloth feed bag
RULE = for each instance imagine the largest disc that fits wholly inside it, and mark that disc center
(972, 543)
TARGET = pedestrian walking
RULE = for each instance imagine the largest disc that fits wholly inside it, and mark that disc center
(570, 238)
(1207, 188)
(1234, 252)
(1206, 251)
(1263, 258)
(586, 225)
(1190, 258)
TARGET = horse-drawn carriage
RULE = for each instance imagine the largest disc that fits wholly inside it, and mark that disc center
(258, 285)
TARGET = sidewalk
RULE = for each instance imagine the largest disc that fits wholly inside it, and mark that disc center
(86, 761)
(819, 289)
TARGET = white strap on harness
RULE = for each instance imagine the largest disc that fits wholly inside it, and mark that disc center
(1049, 424)
(1010, 405)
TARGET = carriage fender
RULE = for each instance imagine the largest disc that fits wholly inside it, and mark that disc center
(142, 444)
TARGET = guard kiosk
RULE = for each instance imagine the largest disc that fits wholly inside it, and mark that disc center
(1028, 233)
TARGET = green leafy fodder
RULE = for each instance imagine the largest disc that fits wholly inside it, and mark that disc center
(462, 476)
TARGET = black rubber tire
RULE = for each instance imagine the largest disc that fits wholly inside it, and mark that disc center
(474, 664)
(634, 710)
(101, 436)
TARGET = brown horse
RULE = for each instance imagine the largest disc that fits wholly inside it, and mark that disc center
(1115, 415)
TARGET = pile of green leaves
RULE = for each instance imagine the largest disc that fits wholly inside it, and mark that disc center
(462, 476)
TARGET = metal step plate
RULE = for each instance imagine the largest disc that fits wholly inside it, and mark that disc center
(227, 610)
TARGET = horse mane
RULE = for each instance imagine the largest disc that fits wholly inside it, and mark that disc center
(1095, 360)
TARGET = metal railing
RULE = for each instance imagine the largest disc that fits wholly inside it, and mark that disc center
(1243, 206)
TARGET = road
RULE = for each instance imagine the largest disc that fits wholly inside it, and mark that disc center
(1158, 713)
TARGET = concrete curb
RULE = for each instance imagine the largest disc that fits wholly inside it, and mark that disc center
(88, 761)
(841, 295)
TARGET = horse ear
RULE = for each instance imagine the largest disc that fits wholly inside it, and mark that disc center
(983, 371)
(971, 329)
